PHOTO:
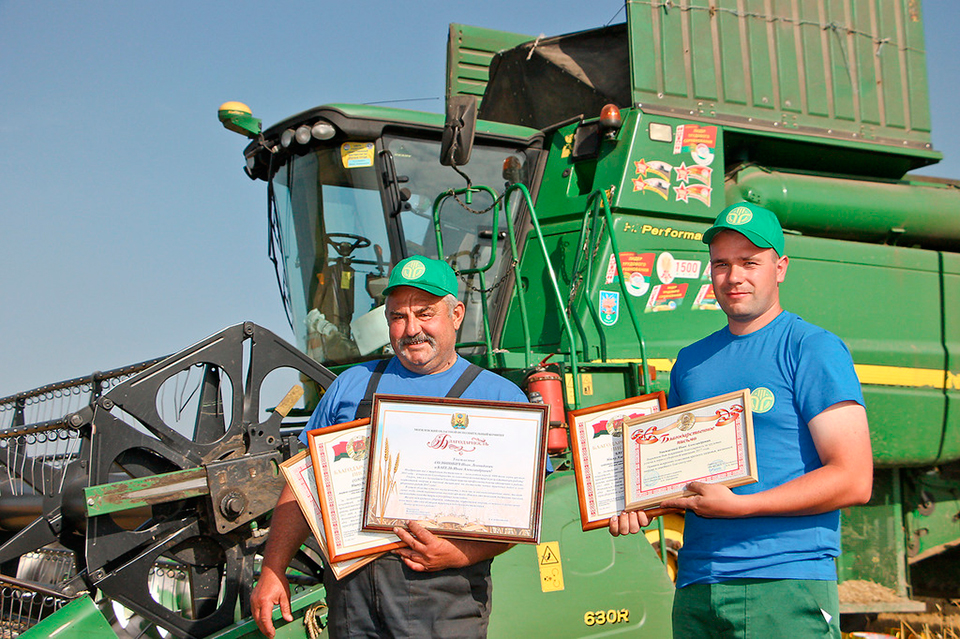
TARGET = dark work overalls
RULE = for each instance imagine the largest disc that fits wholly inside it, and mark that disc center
(385, 598)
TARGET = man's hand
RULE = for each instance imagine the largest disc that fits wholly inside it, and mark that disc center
(271, 589)
(426, 552)
(628, 523)
(288, 530)
(842, 439)
(708, 500)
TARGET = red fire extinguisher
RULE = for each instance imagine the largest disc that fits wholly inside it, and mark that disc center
(546, 387)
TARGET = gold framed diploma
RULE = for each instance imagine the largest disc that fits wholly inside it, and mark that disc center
(471, 469)
(339, 455)
(709, 441)
(596, 437)
(298, 471)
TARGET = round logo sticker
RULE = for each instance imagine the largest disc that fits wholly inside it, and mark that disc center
(666, 267)
(413, 270)
(761, 400)
(637, 284)
(702, 154)
(739, 215)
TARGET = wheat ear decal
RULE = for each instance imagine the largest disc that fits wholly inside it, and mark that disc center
(386, 479)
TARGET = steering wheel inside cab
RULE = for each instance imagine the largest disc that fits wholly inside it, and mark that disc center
(346, 243)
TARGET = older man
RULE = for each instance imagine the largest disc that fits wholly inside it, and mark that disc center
(758, 560)
(436, 587)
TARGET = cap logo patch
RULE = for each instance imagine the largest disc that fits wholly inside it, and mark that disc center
(739, 216)
(413, 270)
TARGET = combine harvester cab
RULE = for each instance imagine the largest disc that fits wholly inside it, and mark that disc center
(572, 205)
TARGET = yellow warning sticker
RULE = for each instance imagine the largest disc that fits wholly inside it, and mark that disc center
(586, 384)
(355, 155)
(551, 569)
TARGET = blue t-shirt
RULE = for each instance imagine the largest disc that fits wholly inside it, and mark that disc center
(795, 371)
(339, 403)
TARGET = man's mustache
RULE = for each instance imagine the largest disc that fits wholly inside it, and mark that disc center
(419, 338)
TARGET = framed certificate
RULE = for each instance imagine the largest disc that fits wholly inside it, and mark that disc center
(339, 456)
(709, 441)
(596, 437)
(298, 471)
(462, 468)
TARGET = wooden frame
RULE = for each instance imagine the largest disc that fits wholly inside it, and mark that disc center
(339, 456)
(299, 473)
(472, 469)
(709, 441)
(597, 445)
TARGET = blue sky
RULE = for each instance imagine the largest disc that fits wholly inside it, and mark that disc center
(129, 229)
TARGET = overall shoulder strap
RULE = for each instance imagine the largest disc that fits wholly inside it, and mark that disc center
(466, 378)
(365, 407)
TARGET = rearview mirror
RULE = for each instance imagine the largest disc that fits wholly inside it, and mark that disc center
(457, 141)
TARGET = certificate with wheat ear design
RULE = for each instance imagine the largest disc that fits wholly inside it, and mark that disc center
(339, 456)
(471, 469)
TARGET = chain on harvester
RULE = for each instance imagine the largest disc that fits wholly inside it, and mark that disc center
(500, 280)
(576, 279)
(513, 263)
(467, 207)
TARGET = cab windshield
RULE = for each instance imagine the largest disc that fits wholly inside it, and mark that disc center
(336, 233)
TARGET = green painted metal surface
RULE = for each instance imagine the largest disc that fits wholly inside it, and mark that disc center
(850, 288)
(855, 283)
(79, 619)
(872, 544)
(875, 212)
(469, 51)
(666, 311)
(951, 339)
(368, 116)
(600, 574)
(774, 73)
(848, 71)
(656, 177)
(300, 603)
(931, 504)
(143, 491)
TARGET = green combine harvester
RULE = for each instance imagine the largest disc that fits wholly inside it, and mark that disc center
(568, 183)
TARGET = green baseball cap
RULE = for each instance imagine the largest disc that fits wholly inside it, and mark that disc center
(433, 276)
(757, 224)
